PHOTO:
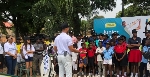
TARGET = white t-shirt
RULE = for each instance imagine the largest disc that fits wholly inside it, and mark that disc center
(100, 50)
(79, 44)
(10, 48)
(74, 56)
(28, 49)
(1, 49)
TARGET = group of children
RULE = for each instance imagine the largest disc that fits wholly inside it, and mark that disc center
(110, 58)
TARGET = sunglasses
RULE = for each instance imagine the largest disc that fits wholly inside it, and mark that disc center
(10, 38)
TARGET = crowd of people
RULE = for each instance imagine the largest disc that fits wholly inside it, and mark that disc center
(103, 56)
(96, 56)
(23, 50)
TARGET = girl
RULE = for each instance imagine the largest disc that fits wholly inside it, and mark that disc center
(28, 50)
(120, 60)
(91, 57)
(108, 59)
(83, 59)
(134, 55)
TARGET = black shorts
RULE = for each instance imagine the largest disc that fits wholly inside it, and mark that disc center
(29, 59)
(1, 60)
(123, 62)
(91, 61)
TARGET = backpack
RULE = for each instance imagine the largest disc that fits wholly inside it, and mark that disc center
(147, 54)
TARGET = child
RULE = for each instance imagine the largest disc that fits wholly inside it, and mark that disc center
(98, 52)
(112, 44)
(83, 59)
(74, 61)
(108, 59)
(91, 57)
(120, 59)
(144, 61)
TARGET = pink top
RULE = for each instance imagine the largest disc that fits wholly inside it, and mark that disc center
(74, 39)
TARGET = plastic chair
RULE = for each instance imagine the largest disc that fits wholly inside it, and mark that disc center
(23, 68)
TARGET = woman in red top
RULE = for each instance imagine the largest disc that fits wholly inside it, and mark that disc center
(120, 52)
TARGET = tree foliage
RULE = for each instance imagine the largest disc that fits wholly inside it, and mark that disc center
(31, 16)
(138, 8)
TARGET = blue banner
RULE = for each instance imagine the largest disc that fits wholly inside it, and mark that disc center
(109, 26)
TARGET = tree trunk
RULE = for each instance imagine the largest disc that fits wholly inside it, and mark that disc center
(76, 24)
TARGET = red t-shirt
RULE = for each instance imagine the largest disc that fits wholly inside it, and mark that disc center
(120, 48)
(82, 54)
(91, 52)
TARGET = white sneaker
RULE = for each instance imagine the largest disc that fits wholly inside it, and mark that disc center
(102, 75)
(93, 76)
(122, 76)
(131, 75)
(98, 75)
(136, 75)
(84, 75)
(118, 76)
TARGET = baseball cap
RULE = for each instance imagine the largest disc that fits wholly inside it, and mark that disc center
(64, 25)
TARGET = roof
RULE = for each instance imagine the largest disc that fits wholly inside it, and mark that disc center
(8, 24)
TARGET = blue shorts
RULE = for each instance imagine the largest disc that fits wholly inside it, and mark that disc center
(29, 59)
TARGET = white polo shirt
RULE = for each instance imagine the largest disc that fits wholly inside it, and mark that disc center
(10, 48)
(62, 42)
(28, 49)
(100, 50)
(1, 49)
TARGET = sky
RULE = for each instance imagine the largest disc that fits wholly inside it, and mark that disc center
(112, 14)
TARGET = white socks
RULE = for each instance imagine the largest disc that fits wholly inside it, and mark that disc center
(125, 73)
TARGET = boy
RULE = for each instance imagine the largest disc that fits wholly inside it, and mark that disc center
(91, 57)
(83, 59)
(112, 45)
(144, 61)
(108, 59)
(98, 52)
(120, 59)
(74, 61)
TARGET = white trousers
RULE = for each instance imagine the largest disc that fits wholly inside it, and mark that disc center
(65, 65)
(74, 65)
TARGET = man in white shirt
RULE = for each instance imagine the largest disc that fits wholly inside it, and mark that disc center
(63, 45)
(99, 51)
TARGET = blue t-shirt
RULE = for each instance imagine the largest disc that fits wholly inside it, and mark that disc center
(104, 42)
(108, 54)
(145, 49)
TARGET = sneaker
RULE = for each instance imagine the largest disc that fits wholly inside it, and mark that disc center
(136, 75)
(102, 75)
(84, 75)
(93, 76)
(118, 76)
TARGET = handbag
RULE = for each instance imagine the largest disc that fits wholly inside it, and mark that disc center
(147, 54)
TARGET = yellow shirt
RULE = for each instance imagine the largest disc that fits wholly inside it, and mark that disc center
(18, 47)
(47, 42)
(140, 48)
